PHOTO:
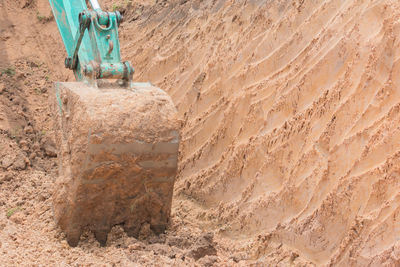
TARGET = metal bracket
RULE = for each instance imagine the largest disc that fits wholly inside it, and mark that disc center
(84, 23)
(94, 50)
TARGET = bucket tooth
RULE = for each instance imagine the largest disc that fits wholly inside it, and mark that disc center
(117, 153)
(73, 235)
(101, 236)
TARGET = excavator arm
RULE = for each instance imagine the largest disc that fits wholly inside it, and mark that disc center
(91, 40)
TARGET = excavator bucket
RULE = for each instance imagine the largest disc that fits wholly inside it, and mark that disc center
(118, 151)
(118, 143)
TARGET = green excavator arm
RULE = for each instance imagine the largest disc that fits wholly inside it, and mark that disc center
(91, 40)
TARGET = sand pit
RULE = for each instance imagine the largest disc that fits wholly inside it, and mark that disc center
(290, 149)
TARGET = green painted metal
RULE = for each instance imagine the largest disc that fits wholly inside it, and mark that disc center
(91, 41)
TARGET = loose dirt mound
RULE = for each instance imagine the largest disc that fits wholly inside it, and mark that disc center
(290, 151)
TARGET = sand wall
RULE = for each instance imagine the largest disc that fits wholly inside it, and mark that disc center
(291, 119)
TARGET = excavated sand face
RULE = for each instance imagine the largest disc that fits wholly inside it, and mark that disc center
(291, 122)
(117, 152)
